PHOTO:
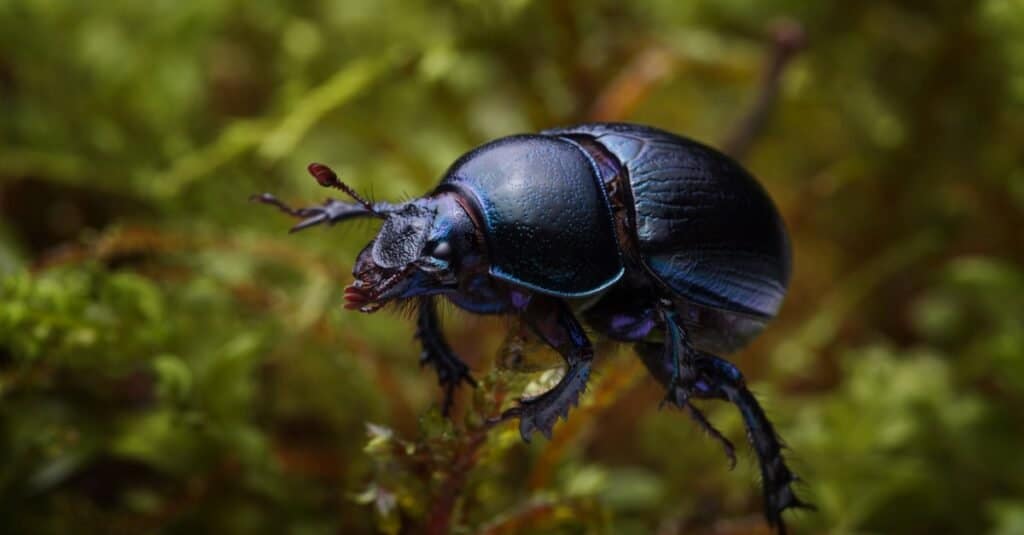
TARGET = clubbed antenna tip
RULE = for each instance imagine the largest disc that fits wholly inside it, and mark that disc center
(324, 175)
(329, 179)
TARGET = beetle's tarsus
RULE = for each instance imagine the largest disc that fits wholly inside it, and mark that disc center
(676, 395)
(702, 421)
(449, 378)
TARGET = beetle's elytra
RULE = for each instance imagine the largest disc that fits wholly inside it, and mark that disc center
(644, 236)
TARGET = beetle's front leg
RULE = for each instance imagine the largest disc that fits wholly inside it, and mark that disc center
(451, 371)
(553, 321)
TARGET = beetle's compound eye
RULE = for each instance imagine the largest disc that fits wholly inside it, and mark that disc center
(441, 250)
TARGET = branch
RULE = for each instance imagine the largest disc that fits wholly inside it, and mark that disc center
(438, 520)
(632, 85)
(788, 39)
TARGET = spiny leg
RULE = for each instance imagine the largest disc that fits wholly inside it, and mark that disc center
(706, 376)
(553, 321)
(718, 378)
(451, 371)
(658, 358)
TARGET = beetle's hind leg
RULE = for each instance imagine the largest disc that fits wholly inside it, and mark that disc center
(720, 379)
(706, 376)
(451, 371)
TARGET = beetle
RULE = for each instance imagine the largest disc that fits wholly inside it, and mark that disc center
(641, 235)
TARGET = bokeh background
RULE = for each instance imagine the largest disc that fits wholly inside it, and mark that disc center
(172, 361)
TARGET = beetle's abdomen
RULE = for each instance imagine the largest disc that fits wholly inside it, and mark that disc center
(704, 225)
(544, 214)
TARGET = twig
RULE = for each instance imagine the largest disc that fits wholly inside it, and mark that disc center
(789, 38)
(632, 85)
(439, 518)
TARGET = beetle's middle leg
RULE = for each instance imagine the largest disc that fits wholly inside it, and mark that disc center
(451, 371)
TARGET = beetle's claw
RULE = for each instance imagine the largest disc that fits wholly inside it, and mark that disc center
(781, 499)
(449, 398)
(532, 417)
(449, 390)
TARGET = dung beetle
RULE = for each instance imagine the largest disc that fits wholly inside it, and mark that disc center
(643, 236)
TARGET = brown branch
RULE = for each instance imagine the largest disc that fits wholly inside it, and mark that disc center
(439, 518)
(788, 39)
(632, 85)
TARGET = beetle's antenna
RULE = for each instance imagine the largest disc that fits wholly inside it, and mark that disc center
(329, 179)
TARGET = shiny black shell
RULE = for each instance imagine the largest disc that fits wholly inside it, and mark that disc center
(545, 216)
(704, 226)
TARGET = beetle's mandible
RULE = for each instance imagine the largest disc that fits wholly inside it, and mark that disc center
(644, 236)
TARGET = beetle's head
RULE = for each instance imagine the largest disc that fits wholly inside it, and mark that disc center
(422, 249)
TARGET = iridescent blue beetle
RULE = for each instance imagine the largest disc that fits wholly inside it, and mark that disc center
(644, 236)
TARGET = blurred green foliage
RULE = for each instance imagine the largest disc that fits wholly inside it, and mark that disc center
(171, 360)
